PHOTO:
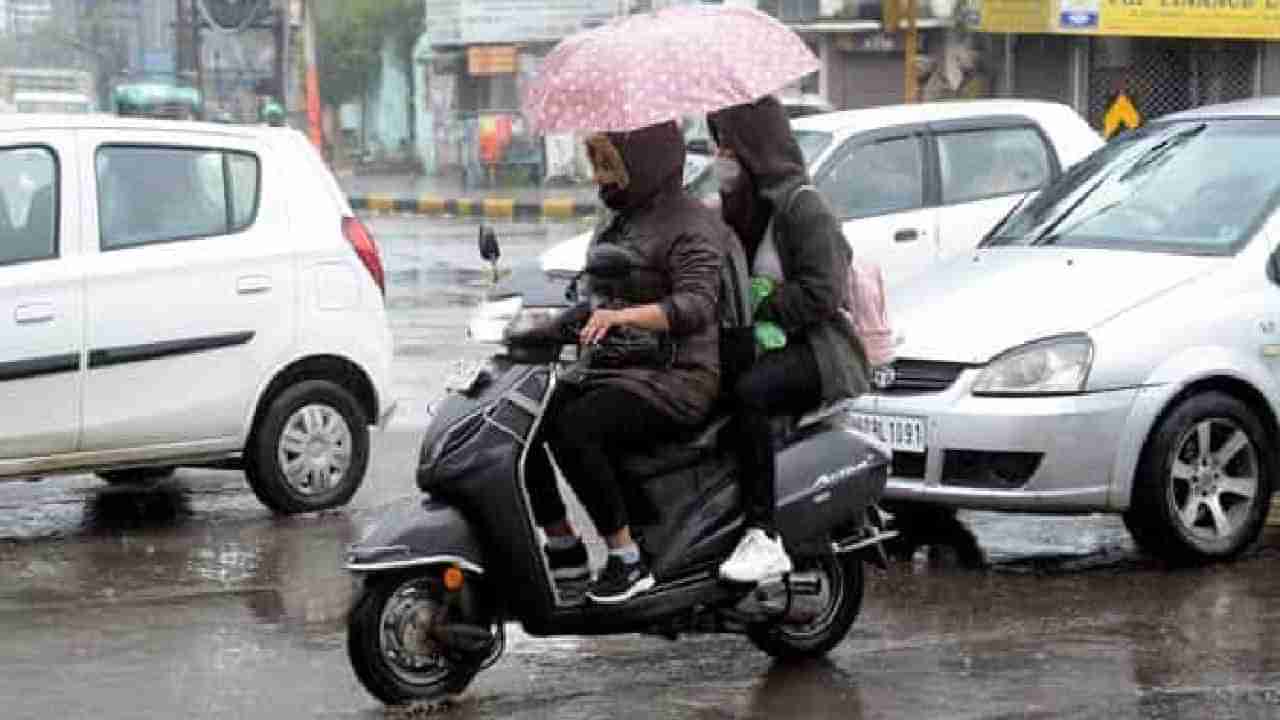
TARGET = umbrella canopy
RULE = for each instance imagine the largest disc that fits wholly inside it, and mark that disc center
(651, 68)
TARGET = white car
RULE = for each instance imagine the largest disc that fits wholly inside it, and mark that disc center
(913, 184)
(1113, 346)
(181, 294)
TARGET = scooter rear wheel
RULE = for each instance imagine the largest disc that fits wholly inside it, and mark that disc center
(388, 645)
(794, 642)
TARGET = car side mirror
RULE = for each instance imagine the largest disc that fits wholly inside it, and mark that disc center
(610, 261)
(489, 250)
(1273, 266)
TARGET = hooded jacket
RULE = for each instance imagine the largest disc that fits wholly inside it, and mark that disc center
(811, 247)
(683, 244)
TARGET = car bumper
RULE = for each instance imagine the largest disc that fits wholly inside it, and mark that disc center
(1042, 454)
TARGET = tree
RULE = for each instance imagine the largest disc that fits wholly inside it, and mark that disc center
(350, 36)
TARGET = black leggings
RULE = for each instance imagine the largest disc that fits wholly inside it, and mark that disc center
(781, 382)
(588, 431)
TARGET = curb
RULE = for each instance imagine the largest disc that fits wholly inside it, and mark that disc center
(562, 208)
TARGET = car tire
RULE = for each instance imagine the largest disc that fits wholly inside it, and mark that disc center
(137, 476)
(1191, 504)
(309, 450)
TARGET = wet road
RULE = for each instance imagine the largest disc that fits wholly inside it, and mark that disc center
(190, 600)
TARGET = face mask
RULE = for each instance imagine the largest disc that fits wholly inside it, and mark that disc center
(729, 172)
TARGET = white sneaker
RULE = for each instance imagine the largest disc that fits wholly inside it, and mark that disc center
(758, 557)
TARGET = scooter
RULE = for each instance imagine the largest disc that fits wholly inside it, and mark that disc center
(443, 574)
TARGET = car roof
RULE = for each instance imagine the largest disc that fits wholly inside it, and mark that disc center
(851, 121)
(10, 122)
(1266, 107)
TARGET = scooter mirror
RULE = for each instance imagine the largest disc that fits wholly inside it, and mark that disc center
(488, 242)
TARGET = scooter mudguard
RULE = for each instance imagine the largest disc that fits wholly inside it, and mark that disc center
(826, 480)
(417, 532)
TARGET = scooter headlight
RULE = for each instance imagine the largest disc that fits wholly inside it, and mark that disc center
(492, 318)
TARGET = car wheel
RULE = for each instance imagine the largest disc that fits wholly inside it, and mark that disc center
(137, 476)
(309, 450)
(1203, 487)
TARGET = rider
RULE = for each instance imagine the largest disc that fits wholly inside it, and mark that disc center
(800, 262)
(603, 410)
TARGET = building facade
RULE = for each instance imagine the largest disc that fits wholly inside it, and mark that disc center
(1164, 55)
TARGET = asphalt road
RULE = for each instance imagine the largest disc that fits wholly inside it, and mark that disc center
(190, 600)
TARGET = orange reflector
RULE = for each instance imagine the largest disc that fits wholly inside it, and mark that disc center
(452, 579)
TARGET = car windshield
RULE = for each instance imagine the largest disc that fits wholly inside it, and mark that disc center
(811, 142)
(1194, 188)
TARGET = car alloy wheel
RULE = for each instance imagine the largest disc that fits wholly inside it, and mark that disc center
(1214, 479)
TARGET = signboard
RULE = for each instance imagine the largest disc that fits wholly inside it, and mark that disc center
(1122, 114)
(491, 60)
(1224, 19)
(468, 22)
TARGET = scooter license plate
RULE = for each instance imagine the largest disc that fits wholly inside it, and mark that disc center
(903, 434)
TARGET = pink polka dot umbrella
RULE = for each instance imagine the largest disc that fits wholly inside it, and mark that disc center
(650, 68)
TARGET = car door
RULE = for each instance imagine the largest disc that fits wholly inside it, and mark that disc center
(41, 296)
(985, 167)
(876, 185)
(191, 295)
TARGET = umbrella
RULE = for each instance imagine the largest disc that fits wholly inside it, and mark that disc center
(651, 68)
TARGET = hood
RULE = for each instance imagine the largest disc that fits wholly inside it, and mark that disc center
(760, 135)
(654, 160)
(978, 305)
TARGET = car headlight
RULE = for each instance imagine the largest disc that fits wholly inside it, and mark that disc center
(1055, 366)
(492, 317)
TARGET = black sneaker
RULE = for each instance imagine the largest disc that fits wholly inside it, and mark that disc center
(620, 581)
(570, 564)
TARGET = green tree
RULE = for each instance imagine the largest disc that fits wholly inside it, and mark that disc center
(350, 37)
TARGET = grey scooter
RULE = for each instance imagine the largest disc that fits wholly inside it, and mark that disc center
(442, 574)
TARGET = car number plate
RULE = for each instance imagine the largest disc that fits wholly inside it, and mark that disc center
(903, 434)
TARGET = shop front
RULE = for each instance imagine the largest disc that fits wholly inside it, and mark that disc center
(1163, 56)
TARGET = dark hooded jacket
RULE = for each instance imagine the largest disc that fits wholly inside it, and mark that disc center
(683, 244)
(814, 254)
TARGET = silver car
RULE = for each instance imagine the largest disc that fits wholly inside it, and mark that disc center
(1113, 345)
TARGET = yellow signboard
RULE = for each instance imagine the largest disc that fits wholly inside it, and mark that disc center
(1226, 19)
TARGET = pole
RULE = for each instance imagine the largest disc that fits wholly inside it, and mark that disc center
(314, 129)
(282, 76)
(911, 41)
(179, 39)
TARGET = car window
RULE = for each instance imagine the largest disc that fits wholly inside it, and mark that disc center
(1197, 188)
(704, 183)
(877, 178)
(159, 194)
(28, 205)
(992, 162)
(242, 174)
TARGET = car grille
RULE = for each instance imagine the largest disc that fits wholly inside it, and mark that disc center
(921, 376)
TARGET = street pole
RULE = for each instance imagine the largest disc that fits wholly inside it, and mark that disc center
(314, 129)
(911, 41)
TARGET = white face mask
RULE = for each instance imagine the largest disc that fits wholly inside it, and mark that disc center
(729, 172)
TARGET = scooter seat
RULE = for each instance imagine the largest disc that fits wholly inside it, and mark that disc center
(672, 456)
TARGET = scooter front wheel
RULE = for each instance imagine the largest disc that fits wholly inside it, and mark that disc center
(391, 646)
(842, 576)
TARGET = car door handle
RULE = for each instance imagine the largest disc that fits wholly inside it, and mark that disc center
(34, 314)
(906, 235)
(253, 285)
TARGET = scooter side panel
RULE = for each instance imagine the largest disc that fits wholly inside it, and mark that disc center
(826, 480)
(418, 532)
